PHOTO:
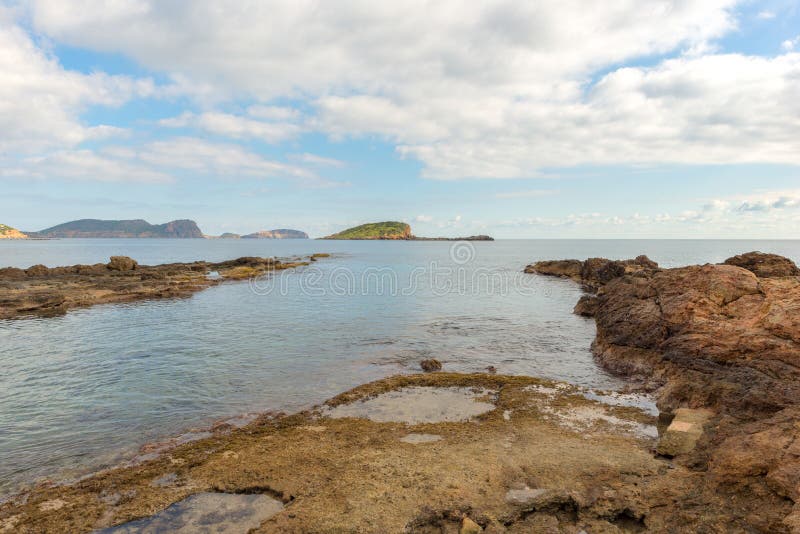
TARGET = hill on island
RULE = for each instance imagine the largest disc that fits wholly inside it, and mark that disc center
(396, 231)
(280, 233)
(380, 230)
(7, 232)
(95, 228)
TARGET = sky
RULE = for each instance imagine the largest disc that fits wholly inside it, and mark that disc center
(518, 119)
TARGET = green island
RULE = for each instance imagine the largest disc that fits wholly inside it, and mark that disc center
(379, 230)
(394, 230)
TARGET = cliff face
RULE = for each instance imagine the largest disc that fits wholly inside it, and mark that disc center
(392, 230)
(280, 233)
(7, 232)
(94, 228)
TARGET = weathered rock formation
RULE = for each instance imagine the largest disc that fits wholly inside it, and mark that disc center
(44, 291)
(593, 272)
(721, 338)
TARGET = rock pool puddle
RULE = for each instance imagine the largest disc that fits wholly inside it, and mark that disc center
(205, 513)
(418, 405)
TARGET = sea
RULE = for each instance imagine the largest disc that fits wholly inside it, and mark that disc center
(86, 390)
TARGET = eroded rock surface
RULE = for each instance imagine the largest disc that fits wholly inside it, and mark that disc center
(724, 338)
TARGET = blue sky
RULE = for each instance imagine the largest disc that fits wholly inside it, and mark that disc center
(630, 119)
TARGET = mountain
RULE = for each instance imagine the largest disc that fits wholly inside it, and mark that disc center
(280, 233)
(134, 228)
(229, 235)
(6, 232)
(380, 230)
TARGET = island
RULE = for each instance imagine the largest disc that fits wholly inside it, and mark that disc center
(7, 232)
(280, 233)
(96, 228)
(395, 231)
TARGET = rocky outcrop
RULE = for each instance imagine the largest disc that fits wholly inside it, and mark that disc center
(765, 265)
(95, 228)
(122, 263)
(720, 338)
(593, 272)
(281, 233)
(45, 291)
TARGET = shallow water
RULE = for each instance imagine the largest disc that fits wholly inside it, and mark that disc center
(417, 405)
(85, 390)
(205, 513)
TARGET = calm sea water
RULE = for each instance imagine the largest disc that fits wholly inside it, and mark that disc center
(83, 391)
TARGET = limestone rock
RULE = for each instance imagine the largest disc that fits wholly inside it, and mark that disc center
(765, 265)
(122, 263)
(682, 434)
(431, 365)
(468, 526)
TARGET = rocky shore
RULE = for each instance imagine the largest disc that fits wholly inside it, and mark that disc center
(720, 343)
(715, 345)
(43, 291)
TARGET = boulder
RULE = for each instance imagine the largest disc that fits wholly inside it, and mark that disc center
(765, 265)
(37, 271)
(468, 526)
(431, 365)
(12, 273)
(682, 434)
(122, 263)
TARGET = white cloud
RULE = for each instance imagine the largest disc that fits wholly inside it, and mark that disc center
(317, 161)
(234, 126)
(423, 218)
(495, 89)
(765, 15)
(790, 44)
(82, 165)
(41, 102)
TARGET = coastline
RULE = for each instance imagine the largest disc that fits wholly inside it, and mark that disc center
(542, 456)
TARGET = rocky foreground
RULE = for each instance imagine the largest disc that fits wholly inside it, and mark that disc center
(720, 344)
(43, 291)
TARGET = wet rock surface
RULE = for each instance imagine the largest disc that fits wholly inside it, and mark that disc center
(722, 341)
(43, 291)
(353, 474)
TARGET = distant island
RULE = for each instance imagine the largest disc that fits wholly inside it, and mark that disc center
(380, 230)
(394, 230)
(7, 232)
(95, 228)
(280, 233)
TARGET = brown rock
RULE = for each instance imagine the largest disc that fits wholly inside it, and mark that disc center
(37, 271)
(468, 526)
(586, 306)
(765, 265)
(122, 263)
(431, 365)
(562, 268)
(12, 273)
(682, 434)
